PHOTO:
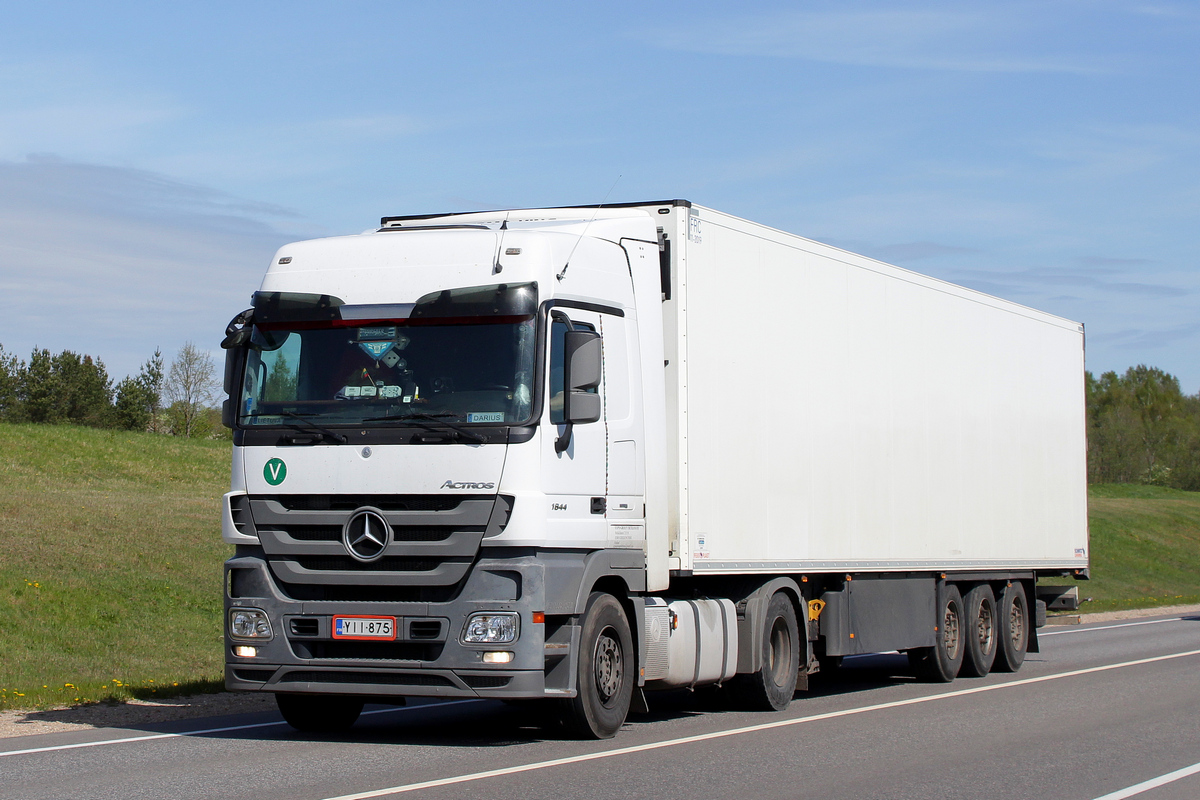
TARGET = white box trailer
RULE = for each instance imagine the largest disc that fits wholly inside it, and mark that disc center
(580, 453)
(835, 413)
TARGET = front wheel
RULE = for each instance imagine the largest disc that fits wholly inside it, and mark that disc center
(317, 713)
(606, 671)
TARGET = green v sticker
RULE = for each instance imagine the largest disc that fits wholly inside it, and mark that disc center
(275, 471)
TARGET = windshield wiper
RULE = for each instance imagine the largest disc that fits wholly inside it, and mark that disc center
(437, 419)
(337, 437)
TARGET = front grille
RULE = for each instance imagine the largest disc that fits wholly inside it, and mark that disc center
(486, 681)
(333, 533)
(315, 533)
(255, 675)
(362, 593)
(384, 502)
(387, 678)
(383, 651)
(434, 537)
(348, 564)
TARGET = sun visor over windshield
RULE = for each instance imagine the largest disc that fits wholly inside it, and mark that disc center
(274, 307)
(500, 300)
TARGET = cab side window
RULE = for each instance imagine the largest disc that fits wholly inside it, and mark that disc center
(557, 385)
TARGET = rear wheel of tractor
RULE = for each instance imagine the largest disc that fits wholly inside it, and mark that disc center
(316, 713)
(772, 687)
(979, 632)
(940, 663)
(1013, 614)
(606, 673)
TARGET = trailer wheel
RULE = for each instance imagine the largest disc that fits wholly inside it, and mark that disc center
(979, 632)
(772, 687)
(606, 672)
(940, 663)
(316, 713)
(1014, 629)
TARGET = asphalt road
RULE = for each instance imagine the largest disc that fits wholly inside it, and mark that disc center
(1103, 708)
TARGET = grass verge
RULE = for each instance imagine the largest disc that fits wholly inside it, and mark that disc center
(110, 584)
(1145, 544)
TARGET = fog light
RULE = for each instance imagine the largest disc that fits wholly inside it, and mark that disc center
(497, 628)
(245, 651)
(249, 623)
(498, 657)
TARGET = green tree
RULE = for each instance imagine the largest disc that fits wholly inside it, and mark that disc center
(84, 390)
(1142, 428)
(10, 385)
(39, 388)
(138, 404)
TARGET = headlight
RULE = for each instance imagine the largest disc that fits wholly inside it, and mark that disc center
(491, 628)
(249, 623)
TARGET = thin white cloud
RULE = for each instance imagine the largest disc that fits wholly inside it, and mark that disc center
(1174, 13)
(114, 262)
(1108, 151)
(72, 105)
(1038, 277)
(916, 251)
(379, 126)
(975, 39)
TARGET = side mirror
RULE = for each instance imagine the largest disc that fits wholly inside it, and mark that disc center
(237, 332)
(234, 361)
(237, 336)
(582, 371)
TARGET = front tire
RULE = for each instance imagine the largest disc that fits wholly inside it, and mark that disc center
(317, 713)
(772, 687)
(606, 672)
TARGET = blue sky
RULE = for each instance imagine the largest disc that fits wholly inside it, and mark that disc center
(153, 156)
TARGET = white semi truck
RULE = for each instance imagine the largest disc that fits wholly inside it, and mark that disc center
(576, 454)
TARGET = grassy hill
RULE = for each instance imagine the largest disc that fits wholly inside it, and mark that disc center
(1145, 543)
(110, 561)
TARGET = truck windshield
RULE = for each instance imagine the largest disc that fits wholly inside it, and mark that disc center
(461, 370)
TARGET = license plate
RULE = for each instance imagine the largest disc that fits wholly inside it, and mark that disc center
(364, 628)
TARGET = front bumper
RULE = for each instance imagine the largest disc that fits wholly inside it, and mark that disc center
(426, 659)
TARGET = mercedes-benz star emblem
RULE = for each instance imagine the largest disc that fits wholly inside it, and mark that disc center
(366, 534)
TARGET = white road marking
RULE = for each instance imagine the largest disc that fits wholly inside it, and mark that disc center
(1153, 783)
(206, 731)
(1110, 627)
(558, 762)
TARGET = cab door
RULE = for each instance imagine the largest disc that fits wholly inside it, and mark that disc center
(574, 479)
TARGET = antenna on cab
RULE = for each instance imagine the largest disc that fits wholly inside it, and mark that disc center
(585, 228)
